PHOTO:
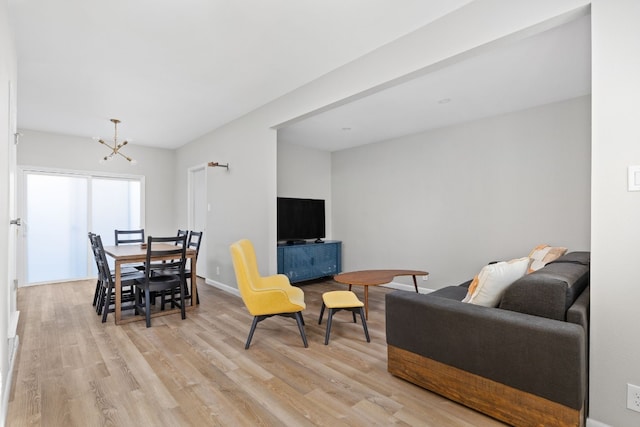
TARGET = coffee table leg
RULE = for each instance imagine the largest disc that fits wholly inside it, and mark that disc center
(415, 283)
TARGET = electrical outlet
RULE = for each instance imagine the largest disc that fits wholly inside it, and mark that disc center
(218, 270)
(633, 397)
(425, 278)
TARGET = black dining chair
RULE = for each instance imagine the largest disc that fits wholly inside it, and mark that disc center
(128, 237)
(195, 239)
(166, 274)
(124, 271)
(193, 242)
(105, 300)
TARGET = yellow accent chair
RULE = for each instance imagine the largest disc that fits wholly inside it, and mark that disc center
(266, 296)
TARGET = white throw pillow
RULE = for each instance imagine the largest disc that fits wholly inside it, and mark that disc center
(489, 285)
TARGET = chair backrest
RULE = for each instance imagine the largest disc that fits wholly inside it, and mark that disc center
(104, 273)
(195, 237)
(182, 233)
(125, 237)
(92, 241)
(173, 254)
(246, 268)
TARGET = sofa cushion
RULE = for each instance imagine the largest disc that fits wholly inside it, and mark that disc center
(487, 287)
(550, 291)
(583, 258)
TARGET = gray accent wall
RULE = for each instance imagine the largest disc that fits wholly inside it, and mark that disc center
(450, 200)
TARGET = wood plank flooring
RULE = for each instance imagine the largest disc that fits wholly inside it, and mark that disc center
(73, 370)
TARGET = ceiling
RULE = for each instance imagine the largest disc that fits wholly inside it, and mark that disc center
(551, 66)
(173, 71)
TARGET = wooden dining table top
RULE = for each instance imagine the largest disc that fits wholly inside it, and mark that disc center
(137, 253)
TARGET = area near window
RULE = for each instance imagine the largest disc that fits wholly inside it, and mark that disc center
(60, 208)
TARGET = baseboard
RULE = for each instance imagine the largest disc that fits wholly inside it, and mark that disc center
(593, 423)
(13, 324)
(222, 287)
(13, 351)
(403, 287)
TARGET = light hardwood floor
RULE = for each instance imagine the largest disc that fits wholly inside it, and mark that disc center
(73, 370)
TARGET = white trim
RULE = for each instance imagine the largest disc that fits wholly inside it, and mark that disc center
(13, 351)
(203, 252)
(223, 287)
(100, 174)
(190, 172)
(13, 324)
(404, 287)
(593, 423)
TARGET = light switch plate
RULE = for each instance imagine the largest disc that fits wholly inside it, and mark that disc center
(634, 178)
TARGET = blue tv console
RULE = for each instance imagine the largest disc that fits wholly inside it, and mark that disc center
(308, 261)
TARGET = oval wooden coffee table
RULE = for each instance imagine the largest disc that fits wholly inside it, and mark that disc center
(368, 278)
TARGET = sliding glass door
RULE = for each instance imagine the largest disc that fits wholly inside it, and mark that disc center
(61, 208)
(115, 204)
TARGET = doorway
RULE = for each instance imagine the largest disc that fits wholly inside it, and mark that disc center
(59, 210)
(197, 212)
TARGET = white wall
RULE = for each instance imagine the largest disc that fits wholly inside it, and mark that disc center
(246, 197)
(8, 74)
(306, 173)
(242, 199)
(82, 154)
(615, 271)
(450, 200)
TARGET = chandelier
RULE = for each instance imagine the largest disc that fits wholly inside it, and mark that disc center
(115, 148)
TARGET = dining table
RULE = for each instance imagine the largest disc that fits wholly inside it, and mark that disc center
(135, 254)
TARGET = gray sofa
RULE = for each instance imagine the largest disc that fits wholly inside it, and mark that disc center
(524, 362)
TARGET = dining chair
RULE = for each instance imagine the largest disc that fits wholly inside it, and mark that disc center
(167, 274)
(105, 301)
(187, 274)
(265, 296)
(195, 239)
(130, 237)
(127, 237)
(124, 270)
(98, 282)
(182, 233)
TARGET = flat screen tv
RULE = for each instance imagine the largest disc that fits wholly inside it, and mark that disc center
(300, 220)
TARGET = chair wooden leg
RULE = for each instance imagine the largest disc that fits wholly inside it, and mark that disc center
(105, 304)
(300, 322)
(364, 324)
(329, 319)
(147, 307)
(321, 314)
(182, 308)
(97, 292)
(253, 329)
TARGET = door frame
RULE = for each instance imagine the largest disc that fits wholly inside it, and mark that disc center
(191, 181)
(23, 170)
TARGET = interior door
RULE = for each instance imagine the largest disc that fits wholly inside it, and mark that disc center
(14, 226)
(198, 208)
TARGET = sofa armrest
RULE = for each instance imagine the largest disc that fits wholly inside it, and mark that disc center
(537, 355)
